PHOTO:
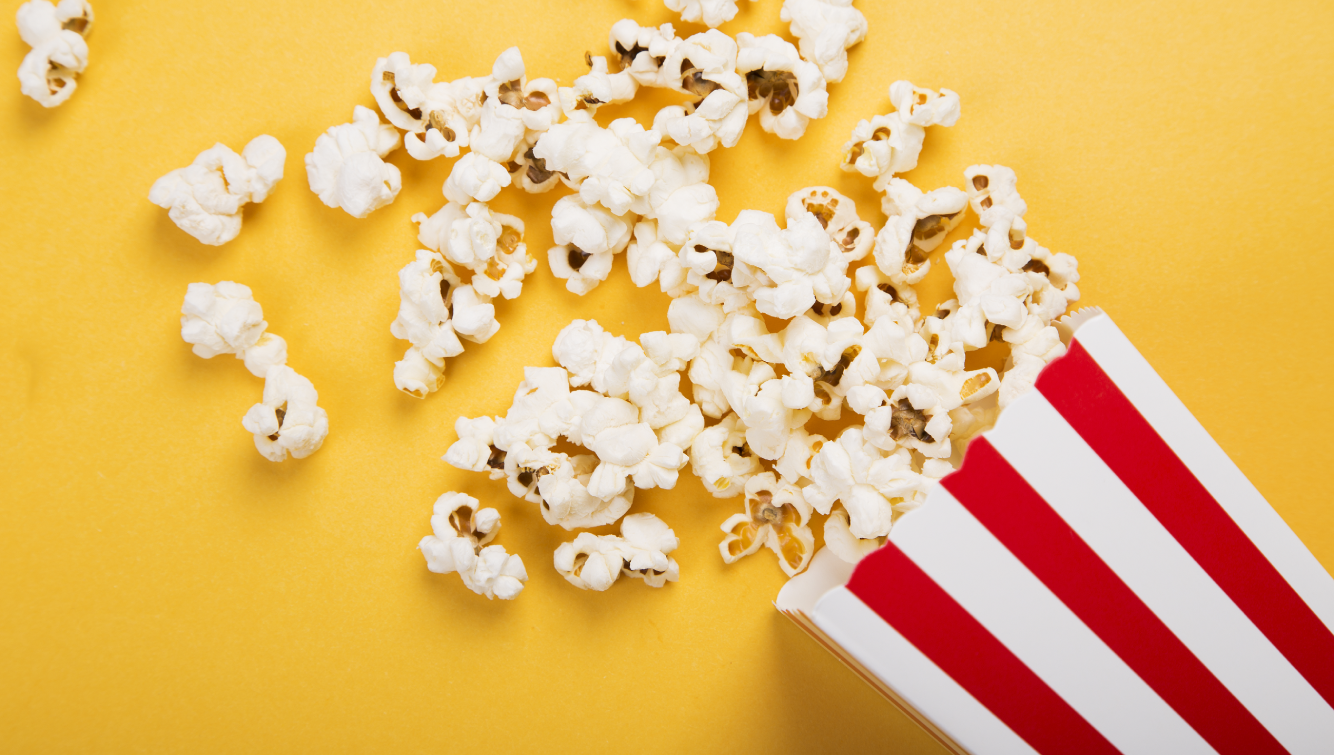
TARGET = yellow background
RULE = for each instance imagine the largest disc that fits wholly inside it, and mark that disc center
(165, 589)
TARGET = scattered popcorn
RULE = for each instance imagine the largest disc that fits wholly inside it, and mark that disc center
(776, 518)
(461, 532)
(347, 168)
(205, 198)
(59, 53)
(825, 30)
(287, 420)
(594, 562)
(787, 91)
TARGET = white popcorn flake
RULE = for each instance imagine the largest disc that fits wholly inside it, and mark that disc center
(225, 319)
(588, 236)
(437, 116)
(59, 53)
(776, 518)
(595, 562)
(461, 532)
(205, 198)
(650, 258)
(347, 168)
(711, 13)
(609, 165)
(871, 485)
(918, 222)
(883, 146)
(287, 420)
(488, 243)
(597, 87)
(787, 91)
(567, 502)
(475, 178)
(641, 50)
(825, 30)
(721, 460)
(837, 215)
(704, 66)
(924, 107)
(427, 291)
(840, 540)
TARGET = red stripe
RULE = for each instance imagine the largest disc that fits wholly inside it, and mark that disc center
(1004, 502)
(1128, 444)
(907, 599)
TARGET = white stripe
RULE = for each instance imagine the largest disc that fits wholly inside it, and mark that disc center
(979, 572)
(1036, 440)
(1211, 466)
(884, 652)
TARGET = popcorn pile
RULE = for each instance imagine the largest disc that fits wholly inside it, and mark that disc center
(226, 319)
(753, 388)
(56, 34)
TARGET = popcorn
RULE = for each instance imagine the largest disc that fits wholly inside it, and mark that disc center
(923, 107)
(890, 144)
(594, 562)
(475, 450)
(680, 197)
(870, 485)
(609, 166)
(840, 540)
(437, 116)
(797, 264)
(588, 236)
(475, 178)
(641, 51)
(59, 53)
(787, 91)
(287, 419)
(837, 215)
(597, 87)
(205, 198)
(488, 243)
(918, 222)
(704, 66)
(711, 13)
(460, 532)
(776, 518)
(347, 170)
(225, 319)
(427, 297)
(566, 500)
(825, 30)
(650, 258)
(721, 460)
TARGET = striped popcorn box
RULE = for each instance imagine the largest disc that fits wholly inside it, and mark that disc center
(1097, 577)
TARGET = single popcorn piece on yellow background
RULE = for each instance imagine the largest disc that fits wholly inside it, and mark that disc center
(825, 30)
(461, 532)
(225, 319)
(787, 91)
(287, 420)
(776, 518)
(593, 562)
(59, 53)
(347, 168)
(205, 198)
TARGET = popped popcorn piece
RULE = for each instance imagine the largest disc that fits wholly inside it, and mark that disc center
(704, 66)
(205, 198)
(566, 500)
(890, 144)
(488, 243)
(437, 115)
(840, 540)
(59, 53)
(787, 91)
(918, 222)
(825, 29)
(225, 319)
(287, 419)
(515, 110)
(650, 258)
(475, 178)
(587, 236)
(776, 518)
(347, 168)
(595, 562)
(798, 264)
(607, 165)
(475, 450)
(597, 87)
(924, 107)
(837, 215)
(681, 196)
(641, 50)
(460, 532)
(427, 291)
(721, 460)
(711, 13)
(868, 483)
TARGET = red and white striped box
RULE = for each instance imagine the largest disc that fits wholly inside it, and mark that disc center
(1097, 577)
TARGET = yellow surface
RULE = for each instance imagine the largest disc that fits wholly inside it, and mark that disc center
(165, 589)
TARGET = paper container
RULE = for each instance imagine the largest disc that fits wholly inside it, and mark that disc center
(1097, 577)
